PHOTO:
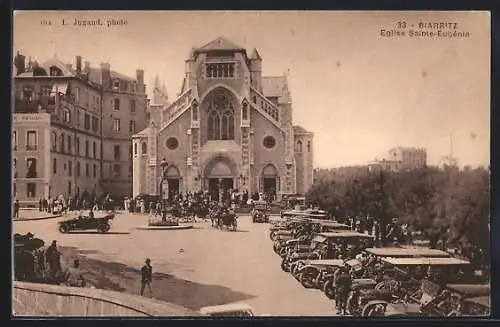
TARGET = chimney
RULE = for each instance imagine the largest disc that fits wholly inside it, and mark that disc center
(105, 75)
(20, 63)
(86, 66)
(140, 79)
(78, 64)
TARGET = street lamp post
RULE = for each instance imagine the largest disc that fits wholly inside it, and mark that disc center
(163, 165)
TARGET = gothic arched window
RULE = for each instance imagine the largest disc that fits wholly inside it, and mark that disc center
(245, 111)
(299, 146)
(135, 148)
(308, 146)
(195, 112)
(220, 119)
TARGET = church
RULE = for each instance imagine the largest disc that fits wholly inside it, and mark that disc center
(229, 128)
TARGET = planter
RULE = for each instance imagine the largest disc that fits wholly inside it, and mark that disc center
(162, 223)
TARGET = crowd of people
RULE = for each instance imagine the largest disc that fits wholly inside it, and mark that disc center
(61, 204)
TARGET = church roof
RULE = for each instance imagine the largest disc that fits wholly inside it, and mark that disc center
(144, 133)
(297, 129)
(220, 43)
(272, 86)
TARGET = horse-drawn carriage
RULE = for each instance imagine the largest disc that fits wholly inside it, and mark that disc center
(223, 217)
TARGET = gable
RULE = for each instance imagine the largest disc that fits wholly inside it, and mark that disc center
(220, 43)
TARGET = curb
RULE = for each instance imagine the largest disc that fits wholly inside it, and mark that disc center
(37, 218)
(164, 227)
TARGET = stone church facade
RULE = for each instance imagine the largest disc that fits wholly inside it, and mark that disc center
(230, 128)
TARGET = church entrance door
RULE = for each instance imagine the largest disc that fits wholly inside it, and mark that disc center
(219, 174)
(216, 185)
(173, 178)
(270, 181)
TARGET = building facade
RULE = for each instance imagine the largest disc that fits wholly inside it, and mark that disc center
(230, 128)
(61, 131)
(402, 158)
(56, 135)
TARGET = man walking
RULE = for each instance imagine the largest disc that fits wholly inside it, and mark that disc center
(16, 209)
(146, 277)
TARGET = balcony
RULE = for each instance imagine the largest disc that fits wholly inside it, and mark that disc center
(31, 147)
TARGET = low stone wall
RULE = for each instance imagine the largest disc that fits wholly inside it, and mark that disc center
(29, 299)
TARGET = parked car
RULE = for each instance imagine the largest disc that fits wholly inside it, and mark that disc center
(260, 212)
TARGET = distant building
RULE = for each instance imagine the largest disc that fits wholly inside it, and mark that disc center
(402, 158)
(67, 133)
(229, 128)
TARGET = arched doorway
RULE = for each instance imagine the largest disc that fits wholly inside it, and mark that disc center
(269, 180)
(173, 177)
(219, 177)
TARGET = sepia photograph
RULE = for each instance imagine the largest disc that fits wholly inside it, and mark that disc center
(251, 163)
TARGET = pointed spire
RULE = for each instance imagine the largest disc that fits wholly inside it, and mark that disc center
(255, 55)
(157, 82)
(164, 91)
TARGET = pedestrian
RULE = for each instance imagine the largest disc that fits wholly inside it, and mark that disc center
(343, 283)
(53, 256)
(16, 209)
(146, 277)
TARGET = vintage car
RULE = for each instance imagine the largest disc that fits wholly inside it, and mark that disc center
(435, 301)
(311, 273)
(285, 227)
(101, 224)
(402, 272)
(228, 310)
(322, 243)
(260, 212)
(363, 295)
(417, 280)
(463, 300)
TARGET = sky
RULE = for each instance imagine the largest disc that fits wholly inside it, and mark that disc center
(361, 93)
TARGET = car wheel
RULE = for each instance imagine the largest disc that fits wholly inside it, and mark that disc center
(63, 229)
(284, 266)
(104, 228)
(306, 278)
(329, 290)
(372, 310)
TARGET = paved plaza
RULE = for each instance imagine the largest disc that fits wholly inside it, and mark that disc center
(194, 268)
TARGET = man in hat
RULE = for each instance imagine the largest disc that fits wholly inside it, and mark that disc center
(343, 283)
(146, 277)
(53, 256)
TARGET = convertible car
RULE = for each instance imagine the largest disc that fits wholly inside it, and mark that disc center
(101, 224)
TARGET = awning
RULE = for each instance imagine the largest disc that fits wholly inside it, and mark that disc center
(60, 88)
